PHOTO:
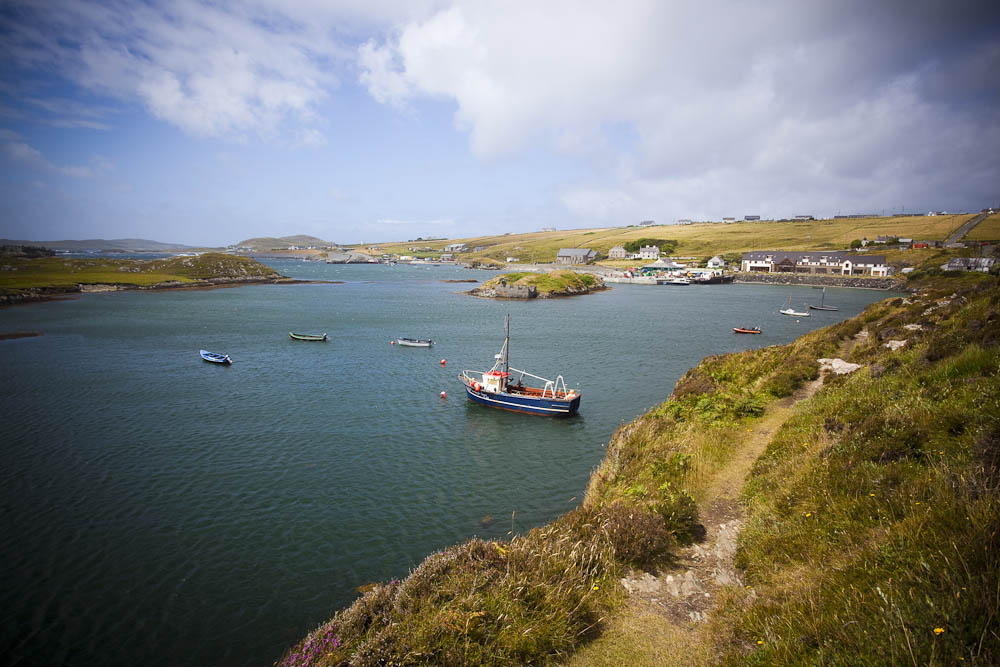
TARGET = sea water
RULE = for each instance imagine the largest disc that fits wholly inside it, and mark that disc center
(160, 510)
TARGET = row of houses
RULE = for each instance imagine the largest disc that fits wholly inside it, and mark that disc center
(838, 263)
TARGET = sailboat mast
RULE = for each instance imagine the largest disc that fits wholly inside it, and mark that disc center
(506, 350)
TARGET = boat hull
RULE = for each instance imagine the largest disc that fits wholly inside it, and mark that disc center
(307, 337)
(823, 308)
(531, 405)
(414, 342)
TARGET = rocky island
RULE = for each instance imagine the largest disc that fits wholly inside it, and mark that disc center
(25, 279)
(539, 285)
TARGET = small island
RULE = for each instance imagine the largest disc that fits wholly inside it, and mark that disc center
(525, 285)
(26, 277)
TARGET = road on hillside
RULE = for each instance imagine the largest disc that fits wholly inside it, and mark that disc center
(965, 229)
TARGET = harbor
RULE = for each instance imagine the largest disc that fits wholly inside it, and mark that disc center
(263, 493)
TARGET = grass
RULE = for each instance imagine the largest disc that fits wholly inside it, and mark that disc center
(987, 230)
(871, 536)
(705, 239)
(553, 282)
(68, 273)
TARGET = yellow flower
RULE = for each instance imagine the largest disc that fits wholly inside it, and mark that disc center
(872, 495)
(938, 631)
(808, 514)
(759, 642)
(503, 552)
(596, 587)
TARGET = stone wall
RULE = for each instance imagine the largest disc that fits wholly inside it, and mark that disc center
(818, 280)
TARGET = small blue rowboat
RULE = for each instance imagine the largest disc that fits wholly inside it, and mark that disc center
(216, 358)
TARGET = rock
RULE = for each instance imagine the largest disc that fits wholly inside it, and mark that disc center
(838, 366)
(894, 344)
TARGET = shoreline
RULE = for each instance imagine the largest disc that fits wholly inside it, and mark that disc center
(44, 294)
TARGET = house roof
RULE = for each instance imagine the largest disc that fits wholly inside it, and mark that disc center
(575, 252)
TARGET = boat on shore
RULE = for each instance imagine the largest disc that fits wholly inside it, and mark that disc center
(497, 389)
(822, 303)
(788, 310)
(215, 358)
(746, 330)
(414, 342)
(307, 337)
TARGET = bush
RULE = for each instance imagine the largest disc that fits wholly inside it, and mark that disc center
(638, 534)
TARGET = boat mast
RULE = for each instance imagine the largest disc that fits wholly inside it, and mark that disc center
(506, 354)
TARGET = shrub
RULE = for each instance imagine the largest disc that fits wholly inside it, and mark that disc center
(637, 533)
(678, 511)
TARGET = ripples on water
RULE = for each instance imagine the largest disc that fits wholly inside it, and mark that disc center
(159, 510)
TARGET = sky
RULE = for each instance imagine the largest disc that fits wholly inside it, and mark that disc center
(206, 123)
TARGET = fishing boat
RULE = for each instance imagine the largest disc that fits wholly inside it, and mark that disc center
(216, 358)
(309, 337)
(415, 342)
(788, 310)
(746, 330)
(498, 389)
(822, 303)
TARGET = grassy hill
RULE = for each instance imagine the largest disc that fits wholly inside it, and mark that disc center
(868, 512)
(703, 239)
(68, 273)
(123, 245)
(284, 242)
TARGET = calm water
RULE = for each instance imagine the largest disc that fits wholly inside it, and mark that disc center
(158, 510)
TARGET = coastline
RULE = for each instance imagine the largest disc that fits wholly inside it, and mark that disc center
(44, 294)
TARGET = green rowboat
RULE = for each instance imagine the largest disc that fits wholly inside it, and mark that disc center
(309, 337)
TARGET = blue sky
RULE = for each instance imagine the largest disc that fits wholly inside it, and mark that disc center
(207, 123)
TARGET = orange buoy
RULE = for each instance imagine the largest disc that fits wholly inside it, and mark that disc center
(442, 362)
(444, 395)
(392, 342)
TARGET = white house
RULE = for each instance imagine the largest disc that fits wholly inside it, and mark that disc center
(618, 252)
(716, 263)
(649, 252)
(456, 247)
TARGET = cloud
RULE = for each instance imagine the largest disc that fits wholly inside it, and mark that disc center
(212, 69)
(796, 107)
(19, 151)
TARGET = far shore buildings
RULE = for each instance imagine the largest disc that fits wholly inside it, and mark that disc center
(456, 247)
(618, 252)
(649, 252)
(576, 256)
(838, 263)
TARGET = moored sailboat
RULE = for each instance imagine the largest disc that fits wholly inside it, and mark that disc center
(822, 303)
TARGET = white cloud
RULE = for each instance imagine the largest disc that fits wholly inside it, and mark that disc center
(798, 107)
(19, 151)
(212, 69)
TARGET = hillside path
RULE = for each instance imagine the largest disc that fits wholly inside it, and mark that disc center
(662, 623)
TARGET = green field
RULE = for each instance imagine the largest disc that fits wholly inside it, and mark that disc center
(61, 272)
(702, 239)
(987, 230)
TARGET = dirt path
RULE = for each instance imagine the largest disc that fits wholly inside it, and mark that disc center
(662, 622)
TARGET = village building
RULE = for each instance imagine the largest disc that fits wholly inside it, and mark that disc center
(838, 263)
(716, 263)
(983, 264)
(576, 256)
(649, 252)
(618, 252)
